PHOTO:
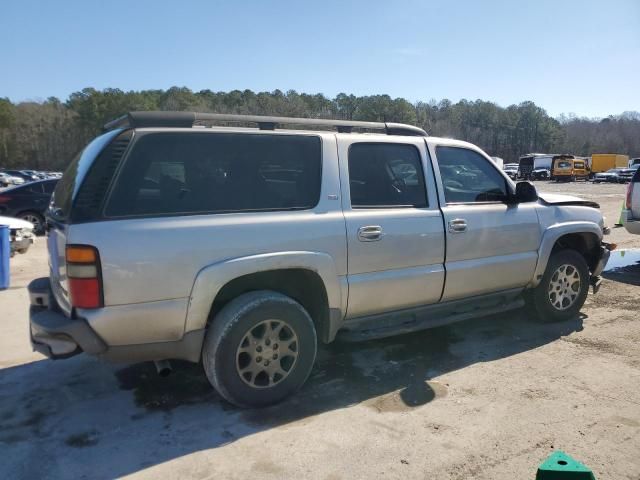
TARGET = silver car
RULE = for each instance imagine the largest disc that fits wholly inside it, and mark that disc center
(7, 180)
(631, 209)
(170, 238)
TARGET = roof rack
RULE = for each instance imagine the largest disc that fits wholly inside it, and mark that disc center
(189, 119)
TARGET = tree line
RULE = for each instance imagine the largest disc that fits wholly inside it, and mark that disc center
(47, 135)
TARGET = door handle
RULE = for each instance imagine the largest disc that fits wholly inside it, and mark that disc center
(457, 225)
(370, 233)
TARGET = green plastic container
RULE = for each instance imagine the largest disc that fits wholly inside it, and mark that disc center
(560, 466)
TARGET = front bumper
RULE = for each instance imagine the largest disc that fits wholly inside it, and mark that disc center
(54, 334)
(595, 279)
(20, 244)
(605, 252)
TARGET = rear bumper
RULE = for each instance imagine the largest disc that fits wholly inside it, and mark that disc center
(54, 334)
(57, 336)
(631, 224)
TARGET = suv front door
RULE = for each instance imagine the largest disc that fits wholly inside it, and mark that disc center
(395, 237)
(492, 245)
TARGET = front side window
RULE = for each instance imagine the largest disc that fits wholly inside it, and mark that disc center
(386, 175)
(183, 173)
(468, 177)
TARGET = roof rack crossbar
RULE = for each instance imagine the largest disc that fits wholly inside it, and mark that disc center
(188, 119)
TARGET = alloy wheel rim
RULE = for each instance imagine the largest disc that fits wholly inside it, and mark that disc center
(267, 354)
(32, 219)
(564, 287)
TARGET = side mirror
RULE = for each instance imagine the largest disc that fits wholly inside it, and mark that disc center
(525, 192)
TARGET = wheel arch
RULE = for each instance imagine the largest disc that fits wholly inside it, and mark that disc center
(310, 278)
(584, 237)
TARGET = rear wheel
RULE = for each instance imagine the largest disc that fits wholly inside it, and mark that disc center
(563, 288)
(260, 349)
(36, 219)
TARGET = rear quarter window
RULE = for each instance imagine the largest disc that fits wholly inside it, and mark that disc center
(75, 173)
(190, 173)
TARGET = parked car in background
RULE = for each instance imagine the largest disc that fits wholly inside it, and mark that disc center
(610, 176)
(7, 180)
(19, 173)
(511, 169)
(35, 175)
(21, 235)
(626, 174)
(28, 202)
(540, 174)
(631, 210)
(243, 248)
(532, 161)
(634, 161)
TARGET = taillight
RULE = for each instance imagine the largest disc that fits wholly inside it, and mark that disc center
(629, 194)
(85, 279)
(5, 198)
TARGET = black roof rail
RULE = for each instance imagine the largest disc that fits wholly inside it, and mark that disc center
(189, 119)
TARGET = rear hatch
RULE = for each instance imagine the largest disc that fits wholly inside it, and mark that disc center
(66, 207)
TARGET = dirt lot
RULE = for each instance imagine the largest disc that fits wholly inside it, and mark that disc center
(486, 399)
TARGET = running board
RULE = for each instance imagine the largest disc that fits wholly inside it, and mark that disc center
(421, 318)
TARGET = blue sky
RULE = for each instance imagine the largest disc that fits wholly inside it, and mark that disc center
(565, 55)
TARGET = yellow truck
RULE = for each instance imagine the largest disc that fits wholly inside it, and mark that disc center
(601, 162)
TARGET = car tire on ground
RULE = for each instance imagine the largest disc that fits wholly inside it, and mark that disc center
(259, 349)
(563, 288)
(35, 218)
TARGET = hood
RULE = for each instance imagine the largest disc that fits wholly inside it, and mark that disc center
(558, 199)
(15, 223)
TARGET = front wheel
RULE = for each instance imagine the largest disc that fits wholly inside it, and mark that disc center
(563, 288)
(259, 349)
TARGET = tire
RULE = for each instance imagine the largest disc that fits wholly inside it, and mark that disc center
(546, 304)
(229, 352)
(35, 218)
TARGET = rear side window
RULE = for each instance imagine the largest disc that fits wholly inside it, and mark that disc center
(75, 173)
(386, 175)
(185, 173)
(35, 188)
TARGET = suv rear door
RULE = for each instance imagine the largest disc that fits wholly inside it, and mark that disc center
(491, 245)
(395, 237)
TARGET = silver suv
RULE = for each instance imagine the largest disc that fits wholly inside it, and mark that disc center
(241, 247)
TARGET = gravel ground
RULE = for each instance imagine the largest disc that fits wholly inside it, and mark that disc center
(484, 399)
